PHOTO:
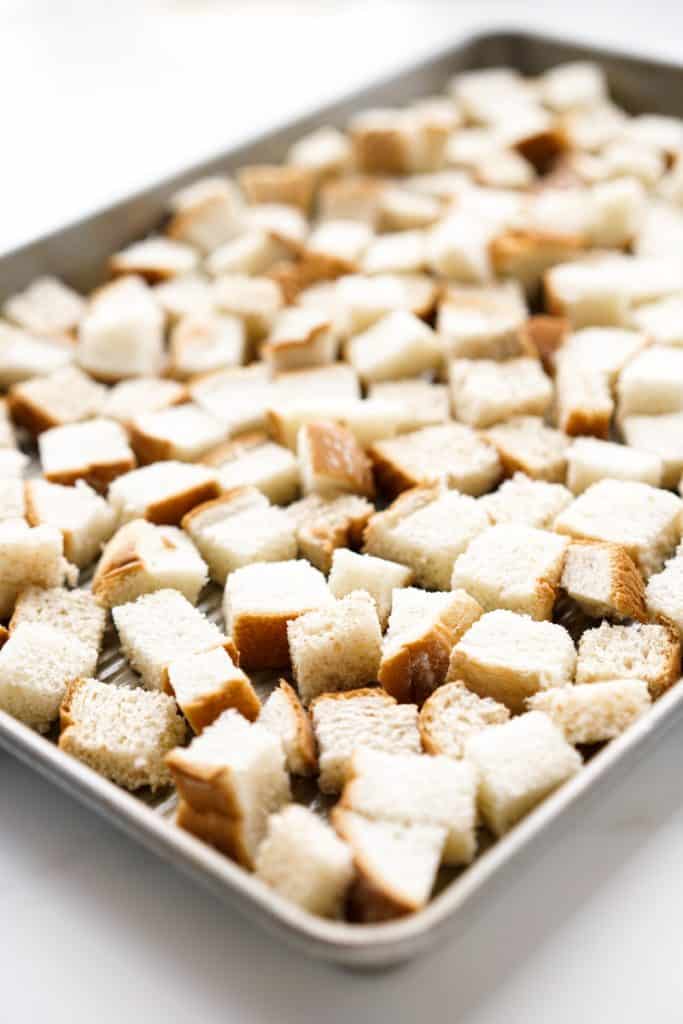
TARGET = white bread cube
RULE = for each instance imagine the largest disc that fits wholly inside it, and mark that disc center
(370, 419)
(661, 320)
(363, 300)
(239, 528)
(385, 141)
(324, 525)
(12, 498)
(46, 307)
(524, 255)
(303, 860)
(335, 648)
(163, 492)
(426, 529)
(522, 500)
(204, 343)
(574, 84)
(520, 763)
(331, 461)
(157, 628)
(231, 778)
(603, 351)
(642, 650)
(254, 251)
(423, 404)
(336, 380)
(29, 555)
(96, 451)
(84, 518)
(12, 462)
(260, 599)
(457, 248)
(141, 558)
(485, 392)
(183, 432)
(23, 356)
(526, 444)
(65, 396)
(652, 382)
(276, 183)
(452, 453)
(414, 790)
(400, 252)
(590, 128)
(378, 577)
(643, 519)
(509, 657)
(594, 712)
(121, 333)
(325, 151)
(188, 295)
(337, 246)
(299, 338)
(513, 566)
(661, 435)
(356, 720)
(396, 865)
(75, 612)
(617, 209)
(207, 683)
(482, 323)
(121, 733)
(583, 400)
(284, 715)
(155, 258)
(37, 664)
(255, 300)
(452, 714)
(604, 580)
(238, 396)
(423, 629)
(398, 345)
(251, 460)
(401, 209)
(590, 460)
(663, 594)
(131, 398)
(206, 213)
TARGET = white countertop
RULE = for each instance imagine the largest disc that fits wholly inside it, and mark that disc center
(98, 99)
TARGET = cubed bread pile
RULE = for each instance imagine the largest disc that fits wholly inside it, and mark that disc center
(405, 410)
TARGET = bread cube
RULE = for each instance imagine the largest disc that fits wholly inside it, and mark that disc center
(85, 519)
(260, 599)
(251, 460)
(423, 629)
(594, 712)
(385, 141)
(202, 343)
(183, 432)
(335, 648)
(336, 380)
(157, 628)
(96, 451)
(643, 650)
(369, 420)
(325, 151)
(190, 295)
(163, 492)
(451, 452)
(239, 528)
(206, 213)
(590, 460)
(573, 85)
(662, 436)
(131, 398)
(526, 254)
(37, 664)
(520, 763)
(155, 258)
(603, 580)
(65, 396)
(23, 356)
(46, 307)
(299, 338)
(414, 790)
(324, 525)
(483, 323)
(509, 657)
(121, 333)
(121, 733)
(531, 502)
(643, 519)
(457, 248)
(331, 460)
(275, 183)
(337, 246)
(652, 382)
(527, 445)
(207, 683)
(452, 714)
(302, 859)
(237, 396)
(355, 720)
(401, 209)
(661, 320)
(485, 392)
(398, 345)
(284, 715)
(426, 529)
(75, 612)
(29, 555)
(422, 404)
(583, 400)
(545, 335)
(254, 251)
(378, 577)
(12, 497)
(513, 566)
(664, 590)
(400, 252)
(255, 300)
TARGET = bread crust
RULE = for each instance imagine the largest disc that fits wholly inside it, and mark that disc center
(261, 639)
(223, 833)
(228, 646)
(291, 184)
(307, 750)
(170, 511)
(534, 250)
(149, 447)
(542, 148)
(234, 693)
(627, 593)
(391, 477)
(365, 691)
(97, 475)
(29, 414)
(334, 453)
(207, 788)
(381, 150)
(544, 335)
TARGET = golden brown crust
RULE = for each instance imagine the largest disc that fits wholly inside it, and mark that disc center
(261, 639)
(223, 833)
(365, 691)
(226, 498)
(27, 413)
(293, 276)
(228, 646)
(290, 184)
(627, 588)
(66, 719)
(170, 511)
(149, 447)
(587, 423)
(207, 788)
(307, 751)
(355, 197)
(391, 477)
(542, 148)
(97, 475)
(672, 672)
(526, 254)
(121, 267)
(234, 693)
(408, 502)
(545, 335)
(4, 635)
(381, 150)
(334, 453)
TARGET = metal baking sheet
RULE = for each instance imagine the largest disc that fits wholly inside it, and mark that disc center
(78, 254)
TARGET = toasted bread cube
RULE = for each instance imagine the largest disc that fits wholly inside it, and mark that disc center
(157, 628)
(509, 657)
(232, 777)
(526, 444)
(413, 790)
(121, 733)
(23, 356)
(46, 307)
(299, 338)
(519, 764)
(485, 392)
(426, 529)
(206, 213)
(325, 524)
(423, 629)
(37, 664)
(274, 183)
(423, 404)
(163, 492)
(29, 555)
(398, 345)
(604, 580)
(522, 500)
(513, 566)
(12, 498)
(325, 151)
(131, 398)
(71, 611)
(378, 577)
(590, 460)
(284, 715)
(239, 528)
(96, 451)
(204, 343)
(65, 396)
(255, 300)
(237, 396)
(661, 435)
(335, 648)
(452, 453)
(207, 683)
(331, 460)
(483, 323)
(141, 558)
(452, 714)
(594, 712)
(356, 720)
(644, 520)
(652, 383)
(642, 650)
(369, 419)
(575, 84)
(121, 332)
(302, 859)
(251, 460)
(85, 519)
(155, 258)
(260, 600)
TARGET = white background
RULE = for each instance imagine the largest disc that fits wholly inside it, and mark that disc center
(98, 98)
